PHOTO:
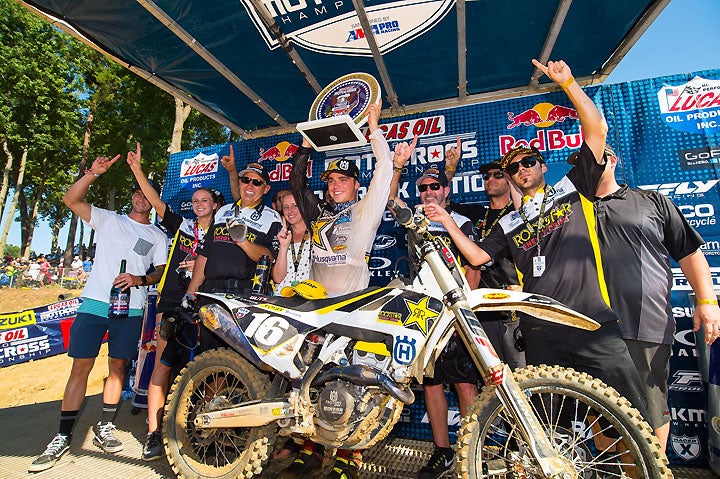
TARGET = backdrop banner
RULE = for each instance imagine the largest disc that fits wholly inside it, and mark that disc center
(36, 333)
(666, 132)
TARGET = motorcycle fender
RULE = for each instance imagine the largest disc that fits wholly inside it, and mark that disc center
(536, 305)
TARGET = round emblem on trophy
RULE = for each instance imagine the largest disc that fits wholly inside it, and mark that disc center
(349, 95)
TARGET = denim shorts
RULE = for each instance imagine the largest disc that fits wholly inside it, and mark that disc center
(88, 330)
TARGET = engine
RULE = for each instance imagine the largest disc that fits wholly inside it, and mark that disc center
(345, 413)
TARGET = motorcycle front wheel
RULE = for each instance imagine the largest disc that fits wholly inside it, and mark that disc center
(216, 379)
(588, 422)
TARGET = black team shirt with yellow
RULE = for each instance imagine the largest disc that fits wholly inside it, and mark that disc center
(568, 241)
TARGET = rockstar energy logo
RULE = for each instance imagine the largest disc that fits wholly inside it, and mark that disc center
(551, 220)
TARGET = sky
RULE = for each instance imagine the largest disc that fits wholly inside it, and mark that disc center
(684, 38)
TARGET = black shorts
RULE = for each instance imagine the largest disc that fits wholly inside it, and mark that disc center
(454, 365)
(190, 340)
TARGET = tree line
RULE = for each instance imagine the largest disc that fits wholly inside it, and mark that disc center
(61, 105)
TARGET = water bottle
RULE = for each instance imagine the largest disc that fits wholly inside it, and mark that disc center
(262, 275)
(119, 304)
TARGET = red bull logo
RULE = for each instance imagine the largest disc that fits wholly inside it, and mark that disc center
(283, 151)
(199, 165)
(541, 115)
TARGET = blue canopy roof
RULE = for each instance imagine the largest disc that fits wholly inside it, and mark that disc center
(257, 65)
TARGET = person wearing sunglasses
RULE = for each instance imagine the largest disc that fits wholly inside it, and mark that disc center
(553, 241)
(343, 231)
(639, 231)
(224, 263)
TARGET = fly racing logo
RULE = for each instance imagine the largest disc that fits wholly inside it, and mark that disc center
(686, 381)
(680, 282)
(332, 26)
(695, 188)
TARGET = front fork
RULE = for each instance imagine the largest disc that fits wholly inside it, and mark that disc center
(496, 373)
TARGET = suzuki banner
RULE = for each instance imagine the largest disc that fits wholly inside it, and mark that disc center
(666, 132)
(36, 333)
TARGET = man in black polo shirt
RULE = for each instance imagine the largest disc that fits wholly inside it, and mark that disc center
(225, 265)
(553, 242)
(639, 231)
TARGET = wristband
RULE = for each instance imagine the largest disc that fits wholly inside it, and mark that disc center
(707, 301)
(397, 168)
(92, 173)
(567, 82)
(451, 170)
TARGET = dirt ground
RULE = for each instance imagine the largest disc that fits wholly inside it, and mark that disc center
(41, 380)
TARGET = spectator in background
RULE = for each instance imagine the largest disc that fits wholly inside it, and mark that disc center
(87, 264)
(77, 263)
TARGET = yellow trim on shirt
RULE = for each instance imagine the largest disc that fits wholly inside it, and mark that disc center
(589, 213)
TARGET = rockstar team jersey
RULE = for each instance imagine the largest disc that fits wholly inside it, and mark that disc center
(225, 259)
(188, 237)
(342, 240)
(568, 241)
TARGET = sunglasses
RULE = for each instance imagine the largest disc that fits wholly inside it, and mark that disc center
(527, 162)
(498, 175)
(432, 186)
(254, 181)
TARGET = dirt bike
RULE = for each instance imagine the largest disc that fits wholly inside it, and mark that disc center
(338, 371)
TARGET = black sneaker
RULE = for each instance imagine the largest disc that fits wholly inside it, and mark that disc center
(344, 469)
(153, 447)
(57, 447)
(304, 464)
(104, 437)
(439, 465)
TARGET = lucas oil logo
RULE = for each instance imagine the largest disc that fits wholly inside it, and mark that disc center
(199, 165)
(693, 106)
(332, 26)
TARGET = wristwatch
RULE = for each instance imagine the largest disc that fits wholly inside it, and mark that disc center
(143, 280)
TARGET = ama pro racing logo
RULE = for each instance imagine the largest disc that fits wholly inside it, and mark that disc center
(332, 26)
(693, 106)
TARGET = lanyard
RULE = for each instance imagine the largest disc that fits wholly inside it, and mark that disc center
(296, 257)
(484, 232)
(196, 239)
(538, 226)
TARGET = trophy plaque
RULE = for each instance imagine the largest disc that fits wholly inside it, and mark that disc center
(339, 111)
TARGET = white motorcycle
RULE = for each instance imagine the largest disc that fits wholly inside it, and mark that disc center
(338, 371)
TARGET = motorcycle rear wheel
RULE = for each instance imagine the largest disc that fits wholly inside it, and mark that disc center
(589, 422)
(216, 379)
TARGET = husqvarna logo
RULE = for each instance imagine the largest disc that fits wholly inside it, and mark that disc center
(404, 350)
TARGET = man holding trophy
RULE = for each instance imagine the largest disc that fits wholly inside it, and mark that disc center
(343, 228)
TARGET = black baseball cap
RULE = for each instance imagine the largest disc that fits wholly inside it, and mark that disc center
(156, 186)
(342, 166)
(520, 150)
(493, 165)
(258, 169)
(435, 174)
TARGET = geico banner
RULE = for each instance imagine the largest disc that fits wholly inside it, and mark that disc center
(665, 131)
(36, 333)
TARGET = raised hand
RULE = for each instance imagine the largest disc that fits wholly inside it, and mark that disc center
(403, 152)
(452, 156)
(102, 164)
(557, 71)
(284, 235)
(133, 159)
(228, 161)
(373, 114)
